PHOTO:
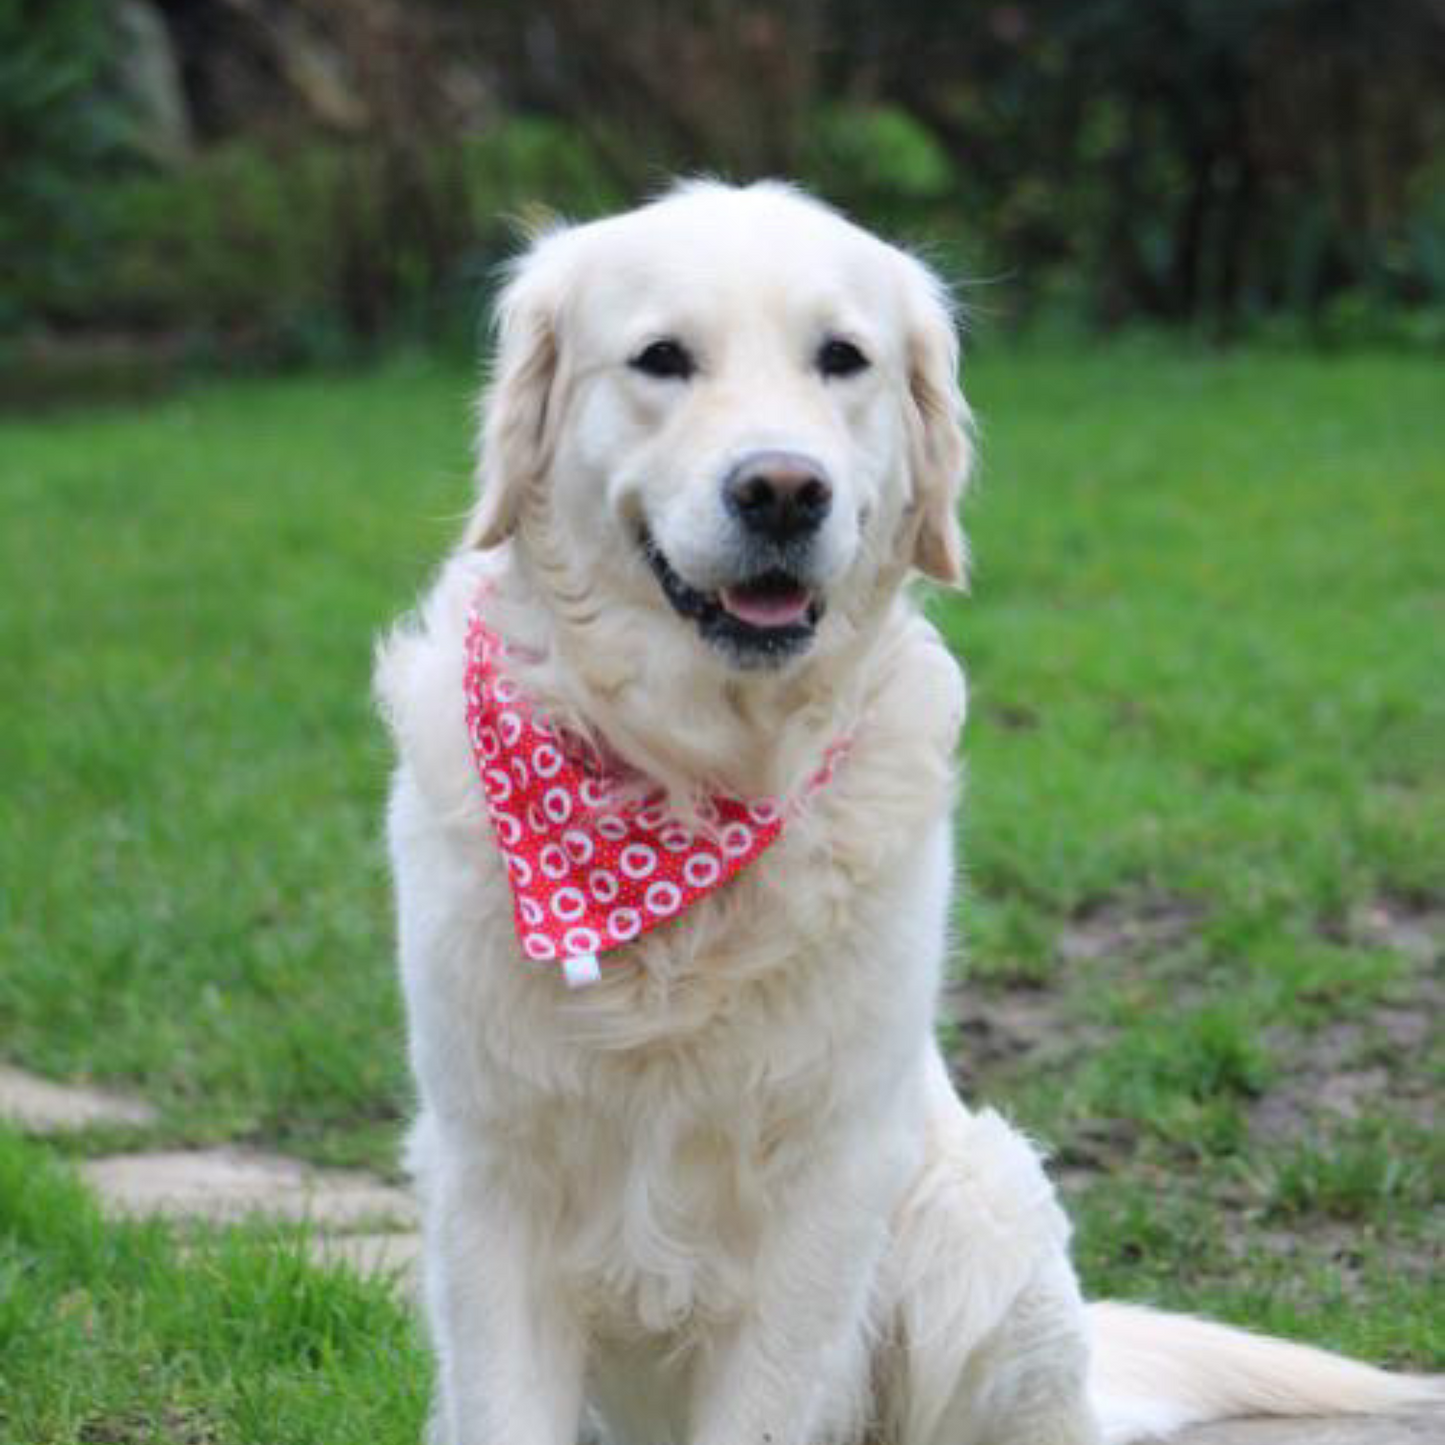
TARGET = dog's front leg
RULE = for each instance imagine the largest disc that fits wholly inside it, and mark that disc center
(795, 1365)
(510, 1353)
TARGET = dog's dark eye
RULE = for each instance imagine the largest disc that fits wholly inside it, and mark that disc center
(840, 358)
(666, 358)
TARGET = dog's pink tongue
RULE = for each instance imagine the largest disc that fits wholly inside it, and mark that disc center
(766, 609)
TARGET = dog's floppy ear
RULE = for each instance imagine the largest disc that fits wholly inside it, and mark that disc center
(520, 404)
(941, 430)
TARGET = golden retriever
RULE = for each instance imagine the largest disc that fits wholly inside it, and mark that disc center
(726, 1194)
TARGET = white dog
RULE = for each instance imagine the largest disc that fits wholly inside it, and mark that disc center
(725, 1193)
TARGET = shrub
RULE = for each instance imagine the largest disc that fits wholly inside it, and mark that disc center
(59, 131)
(315, 251)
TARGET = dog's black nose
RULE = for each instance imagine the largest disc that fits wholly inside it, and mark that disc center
(778, 495)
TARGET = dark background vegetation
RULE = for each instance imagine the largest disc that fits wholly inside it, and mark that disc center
(283, 180)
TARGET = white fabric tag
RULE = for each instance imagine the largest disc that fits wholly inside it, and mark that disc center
(581, 969)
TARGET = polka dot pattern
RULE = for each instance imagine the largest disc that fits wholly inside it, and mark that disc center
(589, 871)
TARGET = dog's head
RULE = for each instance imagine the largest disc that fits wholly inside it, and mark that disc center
(732, 405)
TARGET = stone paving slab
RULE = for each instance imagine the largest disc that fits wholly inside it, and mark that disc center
(1414, 1430)
(392, 1256)
(45, 1107)
(225, 1185)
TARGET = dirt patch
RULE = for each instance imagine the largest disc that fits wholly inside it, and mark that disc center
(1412, 926)
(1010, 716)
(1001, 1030)
(1353, 1069)
(171, 1427)
(1339, 1243)
(997, 1027)
(1365, 1064)
(1122, 928)
(1010, 1043)
(1337, 1084)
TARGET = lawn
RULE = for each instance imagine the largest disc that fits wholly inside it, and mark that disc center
(1199, 941)
(112, 1335)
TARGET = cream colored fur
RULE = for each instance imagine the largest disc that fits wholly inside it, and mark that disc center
(728, 1195)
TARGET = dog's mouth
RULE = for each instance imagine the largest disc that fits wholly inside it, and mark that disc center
(764, 618)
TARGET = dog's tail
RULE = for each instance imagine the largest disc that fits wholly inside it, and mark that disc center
(1155, 1373)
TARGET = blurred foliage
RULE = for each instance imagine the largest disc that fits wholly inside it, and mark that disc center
(1270, 165)
(59, 131)
(317, 251)
(1189, 160)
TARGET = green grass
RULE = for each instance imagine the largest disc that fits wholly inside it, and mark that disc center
(110, 1334)
(194, 896)
(1202, 836)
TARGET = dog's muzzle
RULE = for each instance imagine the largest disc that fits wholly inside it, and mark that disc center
(768, 612)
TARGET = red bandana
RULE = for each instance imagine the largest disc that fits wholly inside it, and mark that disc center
(589, 870)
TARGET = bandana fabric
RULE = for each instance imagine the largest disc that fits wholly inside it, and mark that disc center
(589, 870)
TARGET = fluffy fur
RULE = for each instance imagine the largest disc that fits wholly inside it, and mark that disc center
(728, 1195)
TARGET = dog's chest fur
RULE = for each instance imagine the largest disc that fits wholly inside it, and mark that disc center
(649, 1124)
